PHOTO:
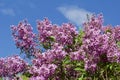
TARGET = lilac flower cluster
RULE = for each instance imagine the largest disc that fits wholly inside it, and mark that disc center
(117, 32)
(12, 65)
(63, 34)
(45, 64)
(98, 46)
(42, 72)
(24, 37)
(77, 55)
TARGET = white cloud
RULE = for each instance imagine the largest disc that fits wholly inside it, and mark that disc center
(75, 14)
(7, 11)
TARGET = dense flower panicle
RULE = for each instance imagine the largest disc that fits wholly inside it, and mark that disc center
(78, 55)
(24, 36)
(113, 31)
(12, 65)
(45, 30)
(39, 61)
(99, 41)
(117, 33)
(113, 52)
(66, 34)
(94, 23)
(44, 71)
(56, 53)
(90, 65)
(43, 66)
(63, 34)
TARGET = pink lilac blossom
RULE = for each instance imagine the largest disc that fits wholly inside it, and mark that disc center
(97, 44)
(43, 66)
(63, 34)
(77, 55)
(10, 66)
(44, 71)
(24, 37)
(117, 32)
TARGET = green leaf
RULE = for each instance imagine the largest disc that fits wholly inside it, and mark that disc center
(52, 38)
(118, 43)
(24, 77)
(78, 39)
(111, 67)
(27, 74)
(79, 69)
(81, 78)
(79, 64)
(0, 78)
(108, 30)
(66, 60)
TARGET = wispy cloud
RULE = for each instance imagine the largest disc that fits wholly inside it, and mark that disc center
(75, 14)
(7, 11)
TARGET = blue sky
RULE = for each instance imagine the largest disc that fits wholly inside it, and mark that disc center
(58, 11)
